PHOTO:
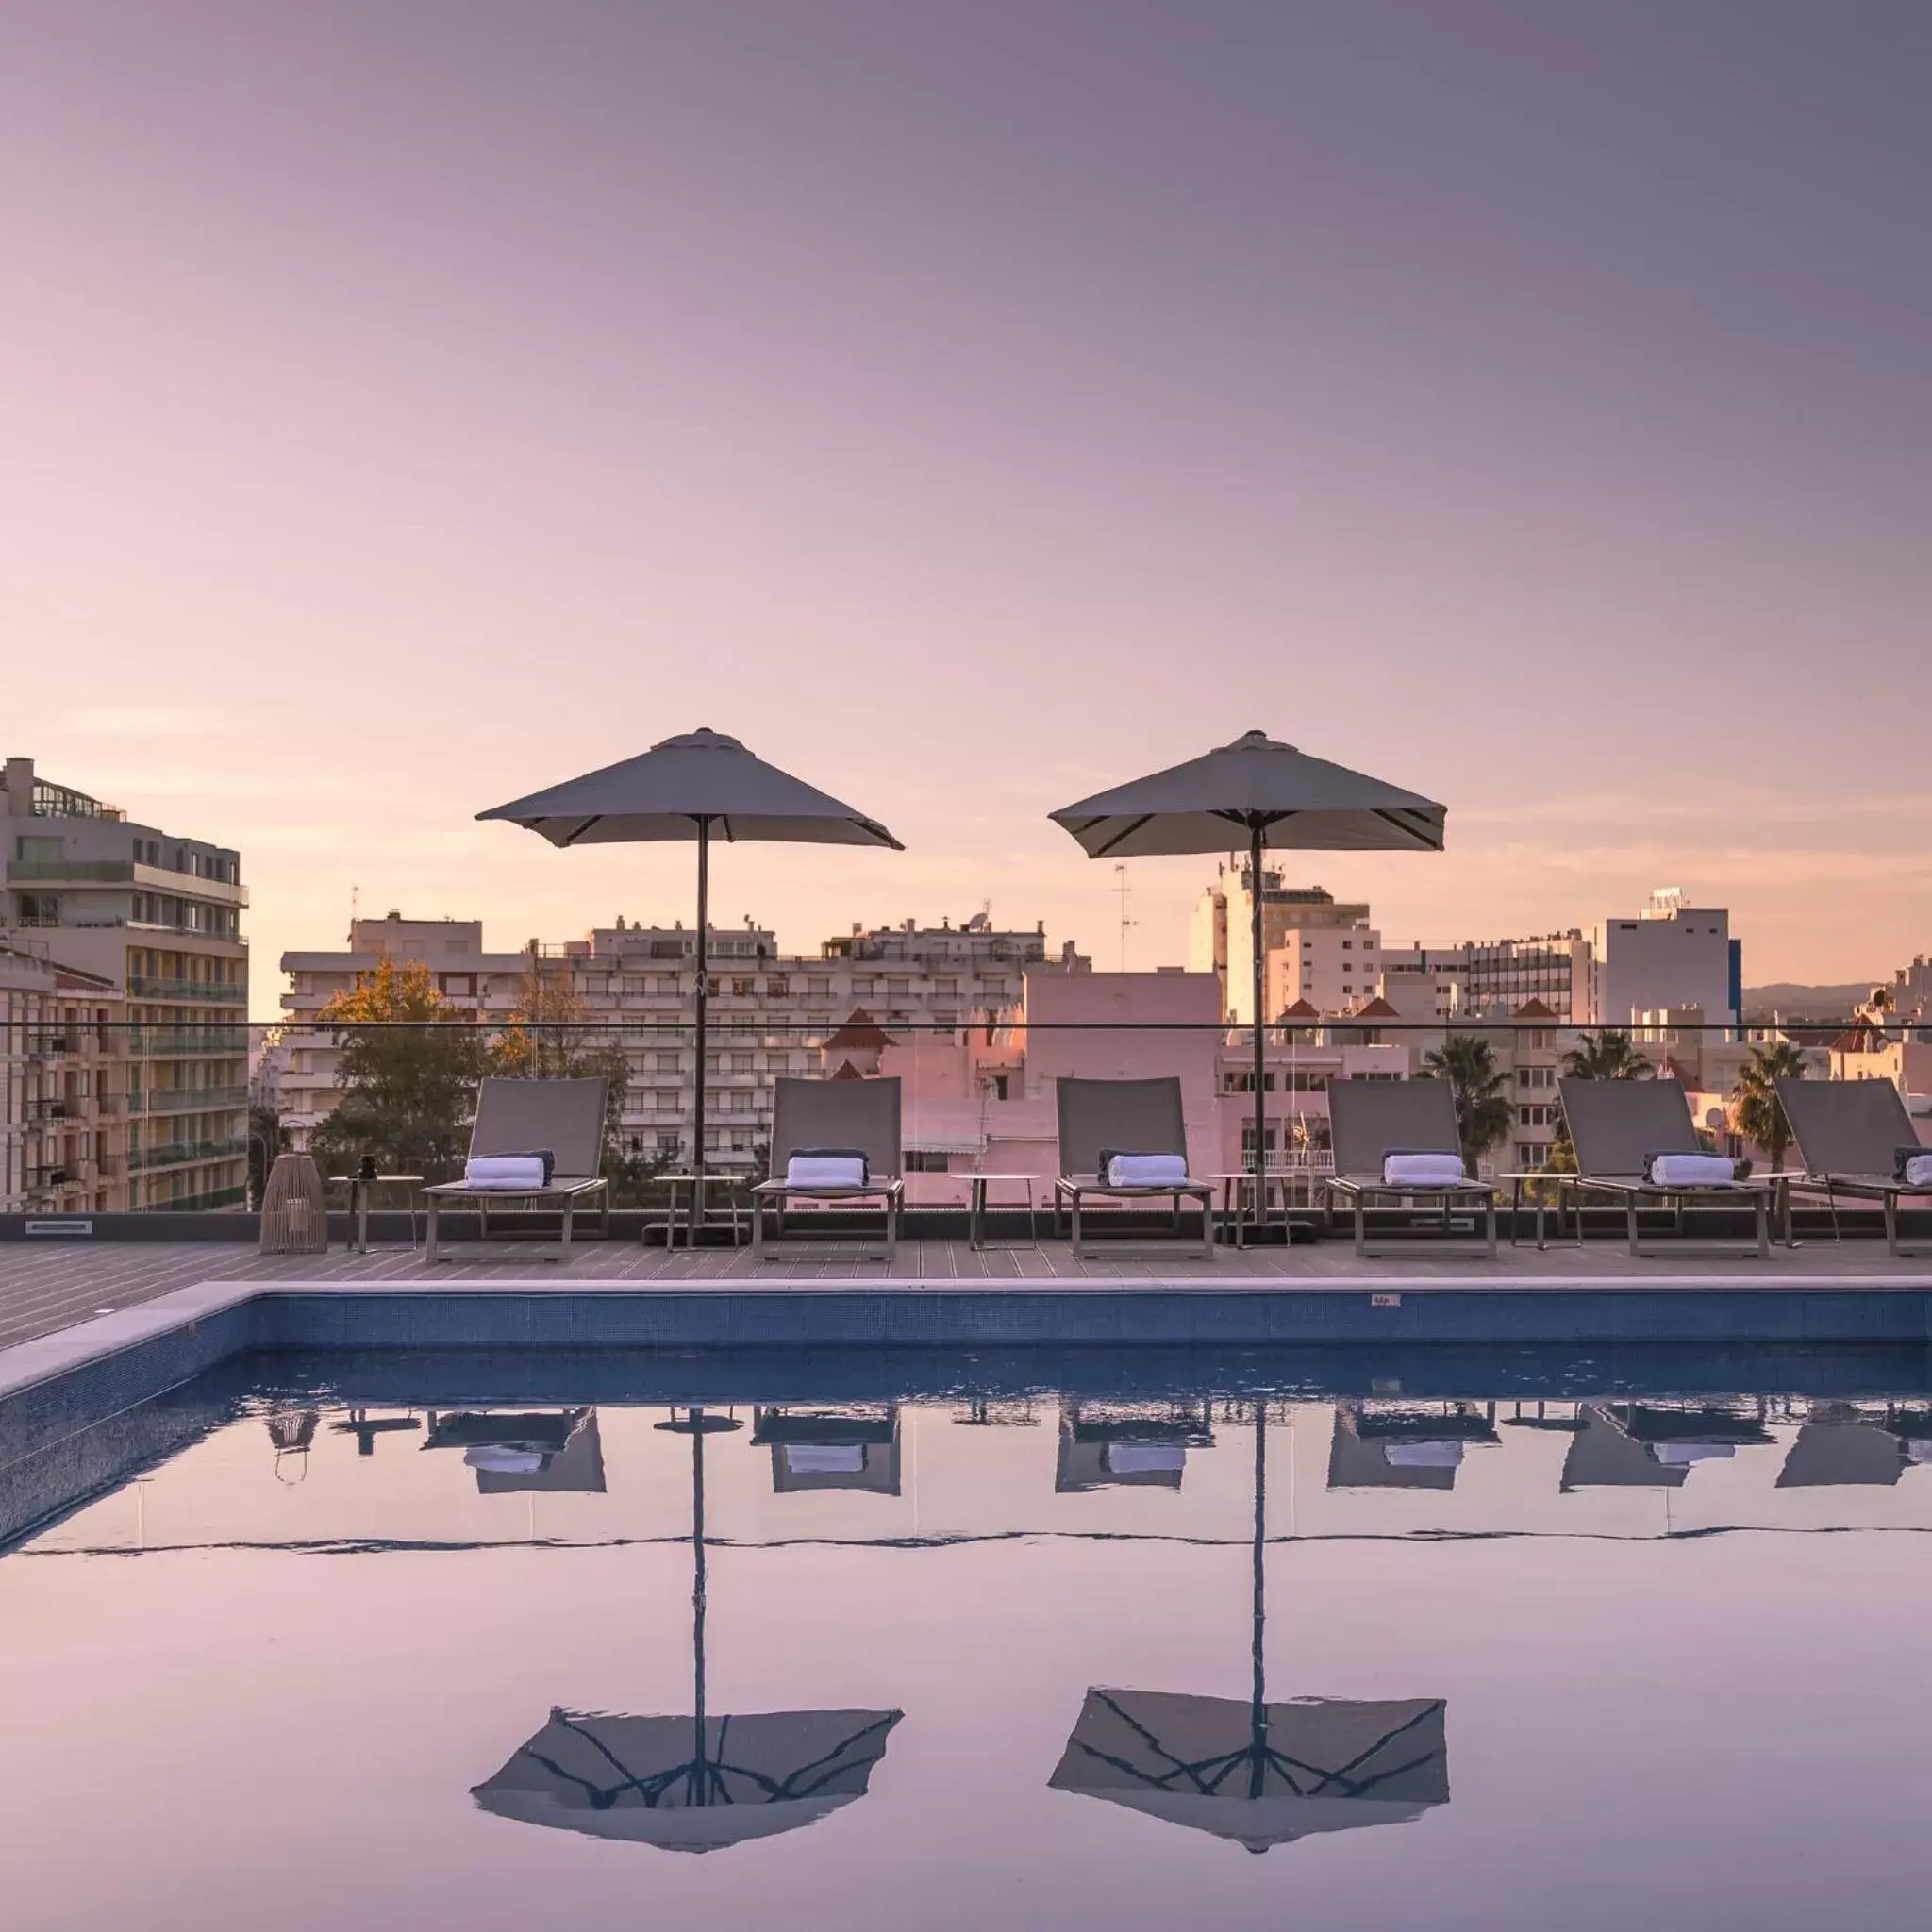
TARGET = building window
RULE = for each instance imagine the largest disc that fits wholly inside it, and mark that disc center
(923, 1161)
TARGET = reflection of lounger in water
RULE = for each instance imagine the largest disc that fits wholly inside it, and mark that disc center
(1652, 1445)
(1127, 1445)
(831, 1448)
(1404, 1448)
(526, 1450)
(1839, 1447)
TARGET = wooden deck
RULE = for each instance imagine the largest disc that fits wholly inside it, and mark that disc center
(44, 1288)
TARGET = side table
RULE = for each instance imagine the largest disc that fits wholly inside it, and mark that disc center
(360, 1187)
(976, 1207)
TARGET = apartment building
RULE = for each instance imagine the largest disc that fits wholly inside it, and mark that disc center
(142, 928)
(1670, 956)
(1315, 948)
(769, 1013)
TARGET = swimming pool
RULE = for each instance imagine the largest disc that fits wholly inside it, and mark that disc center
(866, 1639)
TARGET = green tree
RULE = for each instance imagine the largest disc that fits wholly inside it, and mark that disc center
(1609, 1055)
(1484, 1113)
(408, 1071)
(1755, 1110)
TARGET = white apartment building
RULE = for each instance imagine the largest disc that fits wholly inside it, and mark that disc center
(1315, 948)
(149, 1062)
(1670, 956)
(769, 1013)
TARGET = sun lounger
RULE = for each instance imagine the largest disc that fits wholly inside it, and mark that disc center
(1129, 1117)
(1617, 1127)
(564, 1118)
(1849, 1133)
(808, 1116)
(1372, 1119)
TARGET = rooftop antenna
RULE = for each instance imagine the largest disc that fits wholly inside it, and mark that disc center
(1119, 886)
(355, 910)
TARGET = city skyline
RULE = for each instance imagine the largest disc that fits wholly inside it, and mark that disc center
(970, 411)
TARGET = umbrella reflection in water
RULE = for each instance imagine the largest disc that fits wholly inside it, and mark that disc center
(696, 1783)
(1261, 1774)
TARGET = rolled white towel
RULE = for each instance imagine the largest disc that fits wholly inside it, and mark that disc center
(1690, 1170)
(1143, 1169)
(1915, 1167)
(506, 1172)
(1678, 1454)
(1145, 1459)
(1424, 1170)
(1423, 1455)
(825, 1459)
(494, 1458)
(826, 1170)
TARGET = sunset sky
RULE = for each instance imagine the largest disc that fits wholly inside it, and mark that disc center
(406, 405)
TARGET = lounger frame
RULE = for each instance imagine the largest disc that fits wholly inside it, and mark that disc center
(1145, 1116)
(1372, 1119)
(1615, 1125)
(863, 1114)
(1847, 1133)
(567, 1117)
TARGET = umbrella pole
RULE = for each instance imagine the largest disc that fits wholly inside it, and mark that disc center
(1261, 970)
(1257, 1707)
(697, 1152)
(700, 1791)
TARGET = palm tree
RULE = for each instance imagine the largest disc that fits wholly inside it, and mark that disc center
(1607, 1055)
(1484, 1113)
(1755, 1110)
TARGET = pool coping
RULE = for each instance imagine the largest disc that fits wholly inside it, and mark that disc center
(43, 1359)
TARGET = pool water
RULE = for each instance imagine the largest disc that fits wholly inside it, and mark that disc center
(1202, 1652)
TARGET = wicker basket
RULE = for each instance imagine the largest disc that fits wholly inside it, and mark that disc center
(293, 1221)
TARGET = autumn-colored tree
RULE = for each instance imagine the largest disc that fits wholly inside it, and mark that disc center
(550, 1036)
(408, 1071)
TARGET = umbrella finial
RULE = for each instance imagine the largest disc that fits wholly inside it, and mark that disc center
(1257, 741)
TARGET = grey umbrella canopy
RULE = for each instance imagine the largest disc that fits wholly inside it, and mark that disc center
(693, 786)
(1262, 793)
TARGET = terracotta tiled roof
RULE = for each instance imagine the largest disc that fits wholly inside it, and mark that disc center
(1534, 1010)
(847, 1072)
(858, 1033)
(1301, 1011)
(1377, 1008)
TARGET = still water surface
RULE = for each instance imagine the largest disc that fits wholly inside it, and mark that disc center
(1021, 1659)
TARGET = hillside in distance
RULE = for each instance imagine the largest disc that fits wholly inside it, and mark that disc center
(1806, 1002)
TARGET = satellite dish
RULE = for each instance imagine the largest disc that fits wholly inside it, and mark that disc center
(1714, 1119)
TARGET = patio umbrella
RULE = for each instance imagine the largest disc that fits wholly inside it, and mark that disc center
(1281, 799)
(1261, 1774)
(696, 1783)
(689, 786)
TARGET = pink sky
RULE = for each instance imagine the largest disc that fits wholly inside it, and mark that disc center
(968, 408)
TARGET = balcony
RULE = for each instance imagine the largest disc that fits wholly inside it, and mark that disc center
(185, 1152)
(194, 1099)
(55, 872)
(146, 986)
(164, 1043)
